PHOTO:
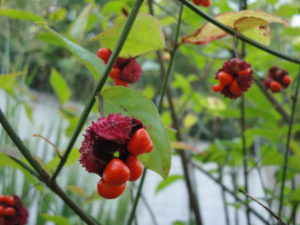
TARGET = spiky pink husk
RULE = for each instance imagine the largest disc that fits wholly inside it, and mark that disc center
(131, 73)
(130, 69)
(233, 67)
(103, 138)
(21, 216)
(277, 74)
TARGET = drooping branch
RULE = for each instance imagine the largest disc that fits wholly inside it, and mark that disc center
(237, 34)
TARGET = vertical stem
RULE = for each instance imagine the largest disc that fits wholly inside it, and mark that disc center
(289, 136)
(128, 25)
(192, 194)
(245, 155)
(162, 93)
(226, 212)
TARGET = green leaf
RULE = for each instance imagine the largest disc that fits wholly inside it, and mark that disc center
(89, 59)
(60, 86)
(58, 220)
(254, 28)
(20, 14)
(167, 182)
(7, 80)
(128, 102)
(146, 35)
(73, 157)
(209, 32)
(6, 161)
(78, 27)
(77, 190)
(58, 15)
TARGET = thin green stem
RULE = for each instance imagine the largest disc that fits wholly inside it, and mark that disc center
(22, 148)
(162, 93)
(128, 25)
(42, 174)
(136, 200)
(170, 67)
(281, 222)
(237, 34)
(226, 189)
(287, 149)
(27, 168)
(245, 155)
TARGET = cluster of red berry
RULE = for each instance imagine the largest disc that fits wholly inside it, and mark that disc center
(205, 3)
(7, 205)
(277, 79)
(110, 149)
(12, 211)
(235, 77)
(125, 71)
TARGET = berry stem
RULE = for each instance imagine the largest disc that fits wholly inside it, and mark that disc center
(287, 150)
(237, 34)
(128, 25)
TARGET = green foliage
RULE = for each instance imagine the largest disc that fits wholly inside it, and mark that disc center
(60, 86)
(136, 105)
(145, 36)
(58, 220)
(167, 182)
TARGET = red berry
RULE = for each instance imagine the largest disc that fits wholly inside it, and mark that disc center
(2, 197)
(217, 88)
(135, 167)
(110, 191)
(235, 88)
(224, 78)
(116, 172)
(104, 54)
(205, 3)
(286, 80)
(114, 73)
(245, 72)
(9, 211)
(2, 209)
(275, 86)
(140, 142)
(118, 82)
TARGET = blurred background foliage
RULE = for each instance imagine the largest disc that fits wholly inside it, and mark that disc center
(39, 64)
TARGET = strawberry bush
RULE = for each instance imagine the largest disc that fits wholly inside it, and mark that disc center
(133, 85)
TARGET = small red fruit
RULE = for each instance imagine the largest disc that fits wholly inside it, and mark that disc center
(109, 191)
(9, 211)
(217, 88)
(140, 142)
(2, 210)
(135, 167)
(118, 82)
(114, 73)
(204, 3)
(244, 72)
(11, 201)
(275, 86)
(104, 54)
(235, 88)
(116, 172)
(224, 78)
(286, 80)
